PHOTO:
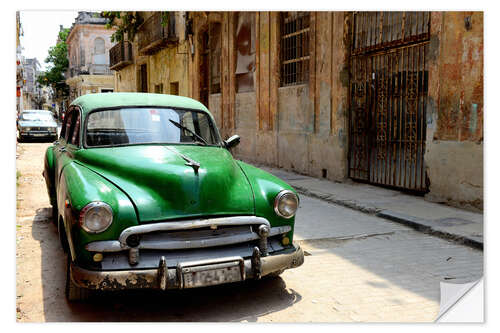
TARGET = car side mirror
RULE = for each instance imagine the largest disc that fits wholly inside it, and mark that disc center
(232, 141)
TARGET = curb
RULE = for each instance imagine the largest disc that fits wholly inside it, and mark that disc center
(427, 227)
(332, 199)
(410, 221)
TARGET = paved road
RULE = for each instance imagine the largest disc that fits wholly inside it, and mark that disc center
(358, 268)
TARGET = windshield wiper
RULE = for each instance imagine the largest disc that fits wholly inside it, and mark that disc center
(187, 129)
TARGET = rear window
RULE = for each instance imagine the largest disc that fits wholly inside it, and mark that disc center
(36, 116)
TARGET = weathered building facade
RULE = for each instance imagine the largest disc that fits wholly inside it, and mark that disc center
(32, 93)
(19, 66)
(88, 53)
(156, 58)
(389, 98)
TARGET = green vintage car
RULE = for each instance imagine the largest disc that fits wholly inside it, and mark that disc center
(145, 194)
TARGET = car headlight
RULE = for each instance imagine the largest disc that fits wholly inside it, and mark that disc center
(26, 129)
(286, 204)
(96, 217)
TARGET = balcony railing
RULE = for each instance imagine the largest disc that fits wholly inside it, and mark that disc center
(120, 55)
(153, 36)
(99, 69)
(91, 69)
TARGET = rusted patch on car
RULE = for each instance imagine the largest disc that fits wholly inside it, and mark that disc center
(103, 281)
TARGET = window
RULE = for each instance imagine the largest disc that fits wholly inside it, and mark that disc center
(159, 88)
(215, 57)
(75, 137)
(99, 51)
(143, 78)
(245, 51)
(72, 126)
(67, 124)
(174, 88)
(294, 45)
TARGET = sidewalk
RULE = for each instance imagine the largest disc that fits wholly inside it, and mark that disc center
(444, 221)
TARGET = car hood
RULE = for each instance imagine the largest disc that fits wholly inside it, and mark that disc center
(31, 123)
(161, 185)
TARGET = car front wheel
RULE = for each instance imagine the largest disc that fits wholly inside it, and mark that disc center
(74, 293)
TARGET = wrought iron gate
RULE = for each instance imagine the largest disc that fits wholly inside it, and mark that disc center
(389, 85)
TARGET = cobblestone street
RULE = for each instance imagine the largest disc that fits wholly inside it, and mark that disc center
(358, 267)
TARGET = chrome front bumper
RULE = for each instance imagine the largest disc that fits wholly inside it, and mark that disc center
(171, 278)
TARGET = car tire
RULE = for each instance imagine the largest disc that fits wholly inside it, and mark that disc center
(74, 293)
(20, 139)
(55, 216)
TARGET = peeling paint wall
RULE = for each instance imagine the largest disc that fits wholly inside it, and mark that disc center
(454, 148)
(304, 127)
(301, 127)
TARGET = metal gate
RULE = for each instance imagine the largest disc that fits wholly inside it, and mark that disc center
(388, 92)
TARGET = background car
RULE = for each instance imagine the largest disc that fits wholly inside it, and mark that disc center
(36, 124)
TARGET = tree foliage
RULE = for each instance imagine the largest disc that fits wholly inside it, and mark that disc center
(127, 23)
(124, 22)
(58, 65)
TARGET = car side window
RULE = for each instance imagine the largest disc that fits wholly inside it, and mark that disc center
(71, 126)
(67, 125)
(75, 139)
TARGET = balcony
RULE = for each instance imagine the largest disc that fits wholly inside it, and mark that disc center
(120, 55)
(152, 36)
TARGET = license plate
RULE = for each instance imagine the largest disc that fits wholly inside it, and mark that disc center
(209, 275)
(39, 134)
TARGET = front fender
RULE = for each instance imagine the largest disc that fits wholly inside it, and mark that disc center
(265, 187)
(79, 186)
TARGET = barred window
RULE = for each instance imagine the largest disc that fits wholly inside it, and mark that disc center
(294, 46)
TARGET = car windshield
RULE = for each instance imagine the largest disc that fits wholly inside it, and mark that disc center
(149, 125)
(37, 116)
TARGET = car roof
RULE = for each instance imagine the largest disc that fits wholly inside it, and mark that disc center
(91, 102)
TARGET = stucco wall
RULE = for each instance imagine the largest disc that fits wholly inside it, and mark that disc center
(167, 66)
(89, 84)
(245, 126)
(125, 79)
(455, 170)
(454, 147)
(308, 129)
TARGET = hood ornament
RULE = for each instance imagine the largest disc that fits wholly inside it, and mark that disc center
(190, 162)
(195, 165)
